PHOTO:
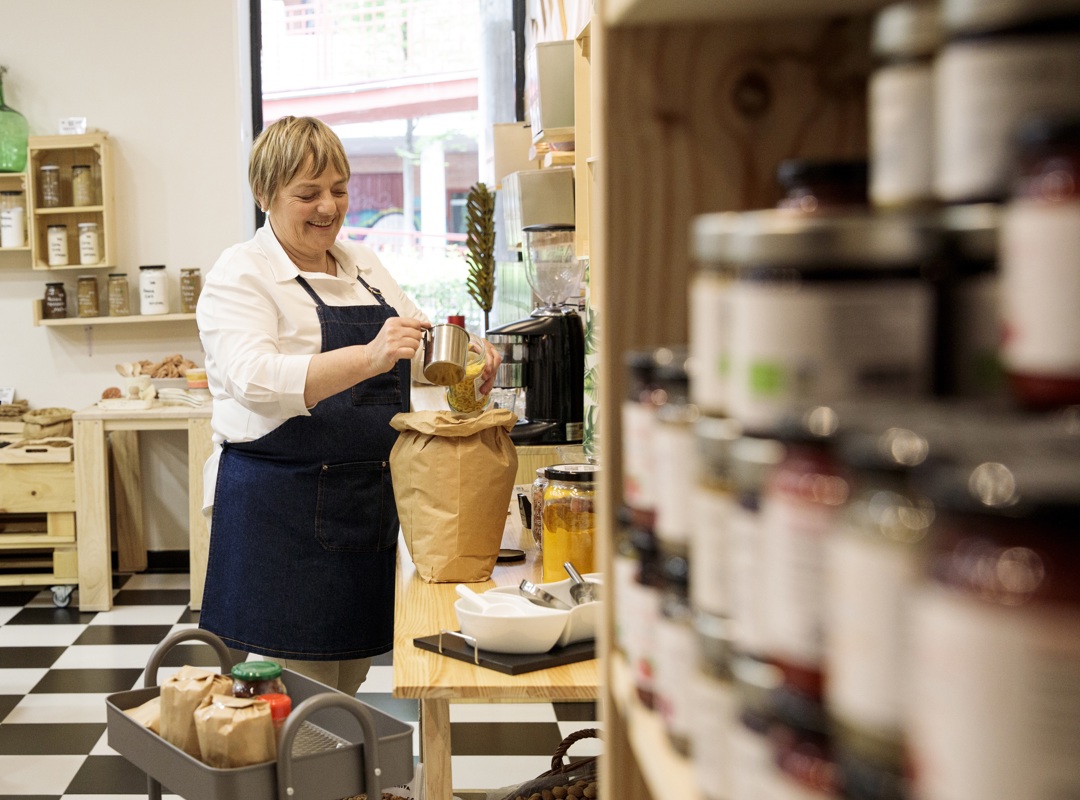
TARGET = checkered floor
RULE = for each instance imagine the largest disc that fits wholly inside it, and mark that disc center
(57, 666)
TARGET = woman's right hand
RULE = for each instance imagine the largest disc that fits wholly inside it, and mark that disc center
(399, 338)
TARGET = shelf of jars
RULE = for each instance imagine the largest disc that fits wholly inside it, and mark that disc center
(70, 198)
(83, 322)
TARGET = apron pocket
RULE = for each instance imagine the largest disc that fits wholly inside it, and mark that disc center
(356, 508)
(381, 390)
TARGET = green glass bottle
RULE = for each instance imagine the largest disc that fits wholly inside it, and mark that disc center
(14, 134)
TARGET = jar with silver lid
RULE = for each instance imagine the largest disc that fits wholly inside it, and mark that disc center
(153, 290)
(89, 244)
(57, 241)
(49, 188)
(82, 185)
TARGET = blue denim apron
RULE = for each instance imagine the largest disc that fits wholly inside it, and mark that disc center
(304, 536)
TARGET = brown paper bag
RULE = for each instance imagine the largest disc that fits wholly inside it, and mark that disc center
(181, 694)
(453, 476)
(235, 731)
(148, 714)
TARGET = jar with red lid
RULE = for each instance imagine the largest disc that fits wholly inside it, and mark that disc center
(995, 630)
(800, 505)
(1040, 281)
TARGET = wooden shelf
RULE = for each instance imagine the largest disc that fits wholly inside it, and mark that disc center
(667, 772)
(83, 322)
(650, 12)
(43, 212)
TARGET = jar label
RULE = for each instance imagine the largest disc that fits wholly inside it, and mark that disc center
(984, 88)
(752, 766)
(675, 451)
(1040, 287)
(713, 703)
(58, 249)
(793, 539)
(901, 134)
(824, 343)
(745, 578)
(89, 247)
(867, 584)
(676, 662)
(994, 707)
(710, 320)
(13, 227)
(710, 588)
(639, 481)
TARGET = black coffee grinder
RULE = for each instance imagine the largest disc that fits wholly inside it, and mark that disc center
(544, 354)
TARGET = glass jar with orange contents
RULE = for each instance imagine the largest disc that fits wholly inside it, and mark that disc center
(569, 520)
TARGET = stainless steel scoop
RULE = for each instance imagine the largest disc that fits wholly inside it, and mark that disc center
(581, 590)
(544, 598)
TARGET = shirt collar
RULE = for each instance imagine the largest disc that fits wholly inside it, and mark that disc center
(283, 267)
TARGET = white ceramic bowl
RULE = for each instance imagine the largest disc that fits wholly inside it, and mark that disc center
(583, 621)
(511, 631)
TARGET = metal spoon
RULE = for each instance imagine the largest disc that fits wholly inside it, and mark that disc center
(581, 590)
(544, 598)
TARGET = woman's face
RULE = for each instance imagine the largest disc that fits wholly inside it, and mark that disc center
(308, 212)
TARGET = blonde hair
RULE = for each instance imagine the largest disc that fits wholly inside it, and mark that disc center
(288, 146)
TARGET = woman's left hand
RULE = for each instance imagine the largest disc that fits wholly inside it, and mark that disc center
(492, 359)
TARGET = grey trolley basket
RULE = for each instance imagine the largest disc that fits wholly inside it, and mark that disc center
(314, 762)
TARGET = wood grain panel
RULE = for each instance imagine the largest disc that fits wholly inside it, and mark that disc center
(31, 488)
(127, 502)
(92, 499)
(200, 445)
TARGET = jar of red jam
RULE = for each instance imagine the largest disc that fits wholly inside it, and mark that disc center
(252, 678)
(995, 631)
(1040, 280)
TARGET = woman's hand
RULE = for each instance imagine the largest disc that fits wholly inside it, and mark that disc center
(398, 338)
(492, 359)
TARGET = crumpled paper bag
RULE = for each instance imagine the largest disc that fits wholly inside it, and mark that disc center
(181, 694)
(453, 476)
(235, 731)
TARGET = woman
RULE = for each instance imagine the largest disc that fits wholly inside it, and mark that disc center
(309, 348)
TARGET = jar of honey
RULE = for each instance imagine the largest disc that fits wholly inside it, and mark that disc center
(569, 520)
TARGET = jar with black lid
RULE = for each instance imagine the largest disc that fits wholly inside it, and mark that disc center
(676, 653)
(54, 306)
(1040, 282)
(995, 655)
(638, 416)
(252, 678)
(1004, 61)
(673, 451)
(826, 308)
(901, 104)
(811, 185)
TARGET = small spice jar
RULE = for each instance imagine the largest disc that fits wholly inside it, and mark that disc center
(12, 219)
(569, 520)
(119, 295)
(190, 286)
(49, 186)
(251, 678)
(153, 290)
(89, 244)
(280, 708)
(54, 305)
(57, 242)
(86, 299)
(676, 653)
(537, 500)
(82, 185)
(713, 501)
(1040, 282)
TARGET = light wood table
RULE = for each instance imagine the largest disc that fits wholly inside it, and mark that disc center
(423, 609)
(95, 428)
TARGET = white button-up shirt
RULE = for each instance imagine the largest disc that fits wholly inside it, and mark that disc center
(259, 329)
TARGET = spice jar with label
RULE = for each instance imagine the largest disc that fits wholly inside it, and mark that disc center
(82, 185)
(252, 678)
(713, 501)
(54, 305)
(119, 295)
(1040, 283)
(190, 286)
(49, 190)
(89, 244)
(12, 219)
(153, 290)
(676, 653)
(569, 520)
(57, 241)
(86, 300)
(537, 500)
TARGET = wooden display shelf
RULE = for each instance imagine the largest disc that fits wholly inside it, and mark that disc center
(652, 12)
(83, 322)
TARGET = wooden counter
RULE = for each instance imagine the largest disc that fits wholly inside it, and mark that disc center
(423, 609)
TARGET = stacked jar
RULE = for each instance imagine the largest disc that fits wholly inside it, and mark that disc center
(12, 219)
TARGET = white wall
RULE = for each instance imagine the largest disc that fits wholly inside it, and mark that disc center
(169, 82)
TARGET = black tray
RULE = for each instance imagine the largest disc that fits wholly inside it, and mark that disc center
(509, 663)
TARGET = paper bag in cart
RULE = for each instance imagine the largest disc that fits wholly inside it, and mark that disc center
(453, 476)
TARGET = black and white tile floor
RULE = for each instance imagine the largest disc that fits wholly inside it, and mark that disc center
(57, 665)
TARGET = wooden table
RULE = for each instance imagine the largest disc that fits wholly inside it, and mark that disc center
(423, 609)
(95, 429)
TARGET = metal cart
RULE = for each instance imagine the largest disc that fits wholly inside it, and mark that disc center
(355, 748)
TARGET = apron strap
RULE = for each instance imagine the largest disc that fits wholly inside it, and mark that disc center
(310, 291)
(378, 295)
(375, 292)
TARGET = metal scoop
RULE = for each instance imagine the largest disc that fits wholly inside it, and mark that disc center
(544, 598)
(581, 590)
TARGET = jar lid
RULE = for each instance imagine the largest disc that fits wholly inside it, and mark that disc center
(907, 29)
(88, 278)
(117, 274)
(80, 166)
(777, 237)
(189, 270)
(572, 473)
(58, 226)
(54, 283)
(795, 172)
(49, 167)
(971, 231)
(256, 671)
(152, 266)
(280, 704)
(87, 224)
(975, 16)
(10, 193)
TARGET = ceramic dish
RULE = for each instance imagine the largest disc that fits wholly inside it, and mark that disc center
(511, 628)
(582, 621)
